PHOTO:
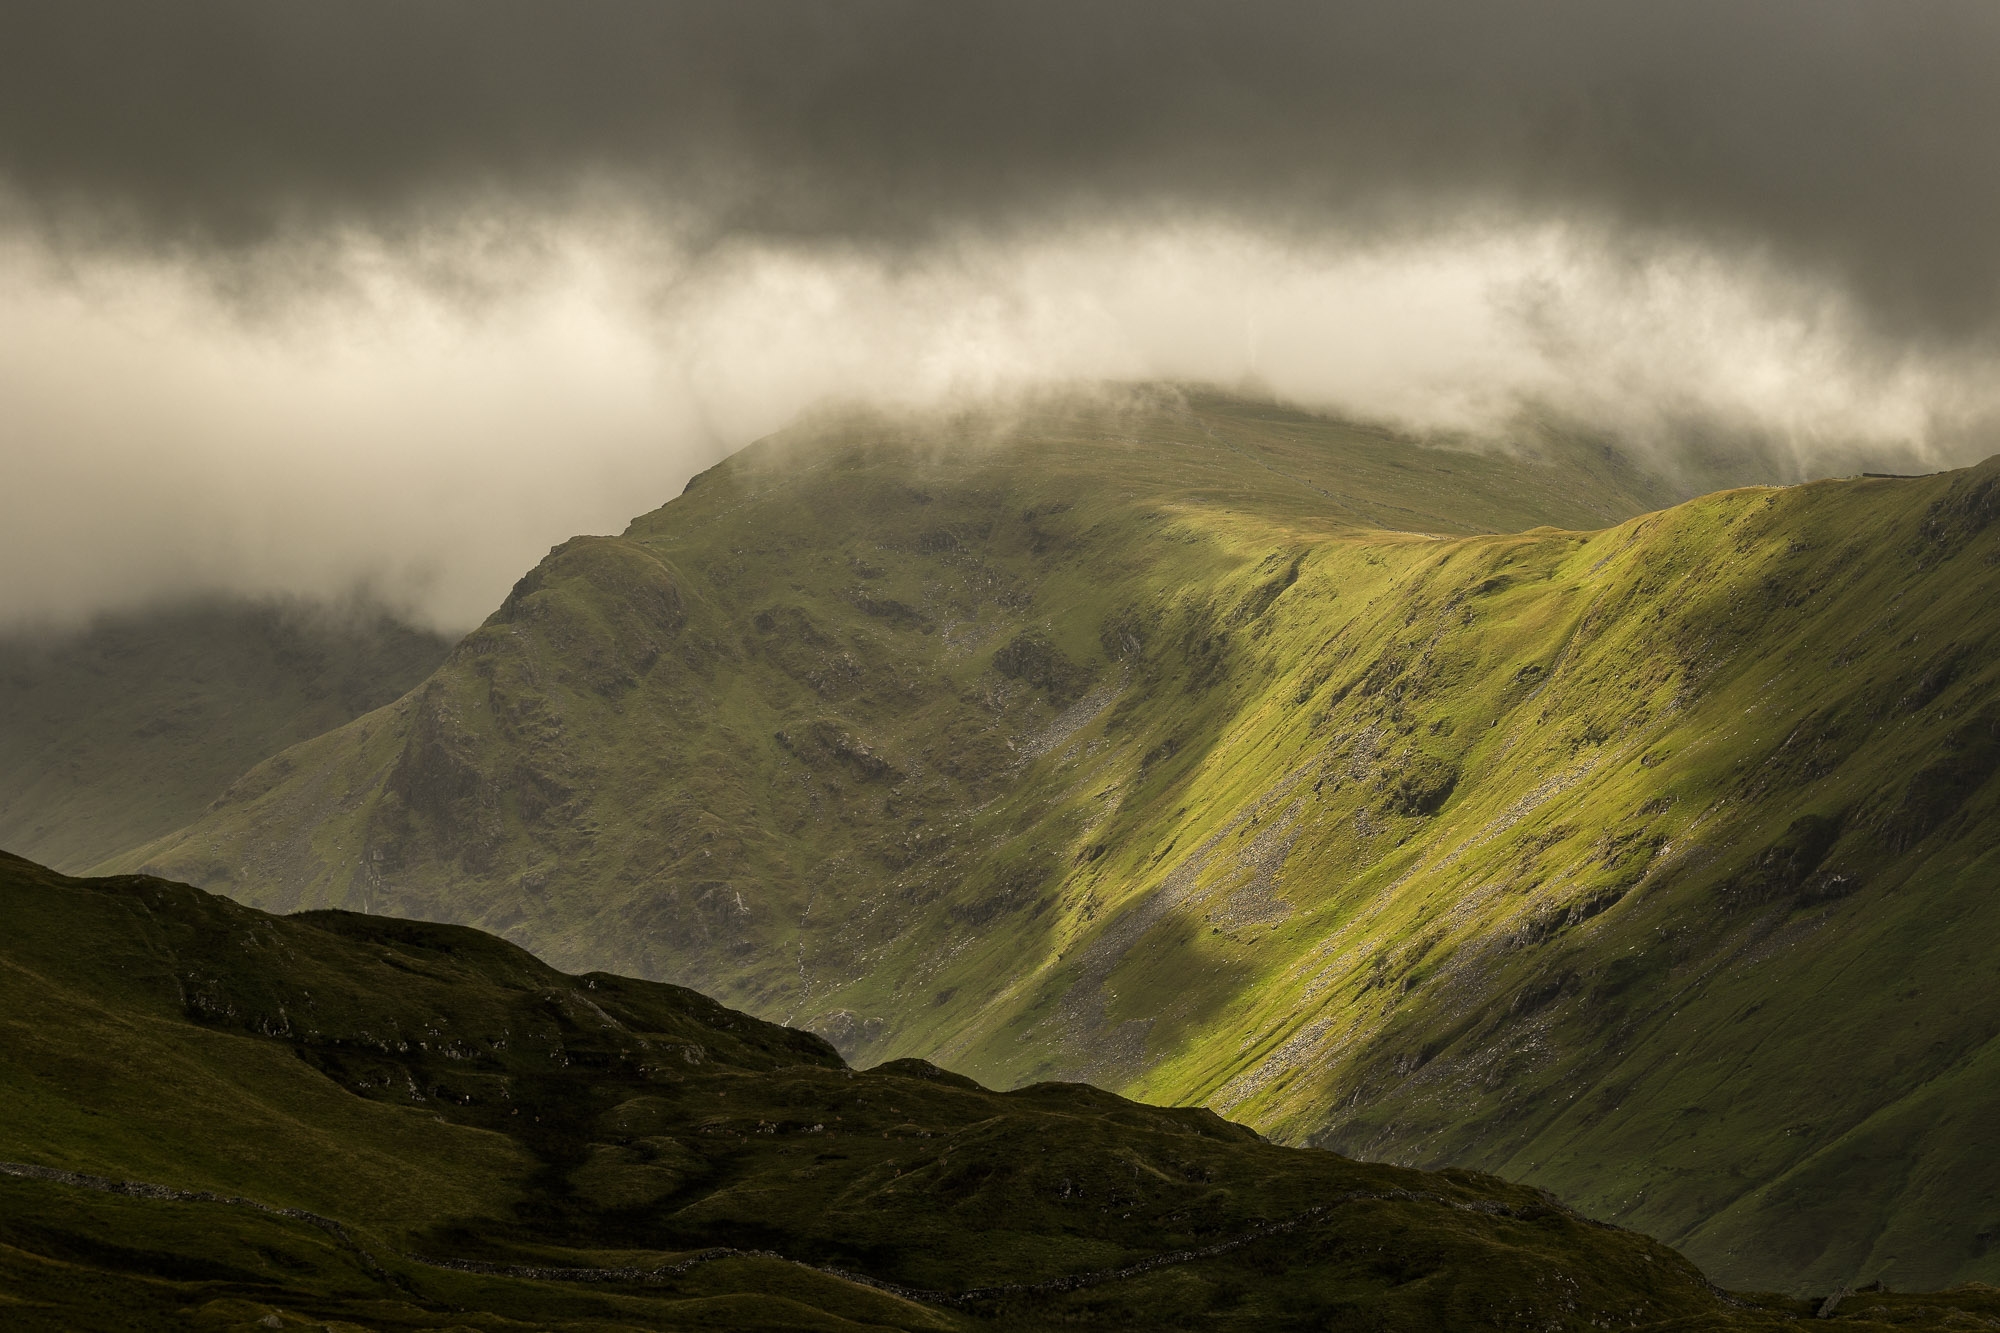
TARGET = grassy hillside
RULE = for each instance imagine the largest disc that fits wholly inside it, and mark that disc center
(115, 734)
(1385, 798)
(213, 1118)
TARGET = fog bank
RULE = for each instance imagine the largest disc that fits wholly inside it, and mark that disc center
(429, 436)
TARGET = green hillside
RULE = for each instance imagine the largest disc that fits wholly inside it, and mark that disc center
(116, 733)
(1437, 807)
(211, 1118)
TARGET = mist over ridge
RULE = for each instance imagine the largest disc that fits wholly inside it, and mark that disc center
(307, 298)
(430, 439)
(1413, 584)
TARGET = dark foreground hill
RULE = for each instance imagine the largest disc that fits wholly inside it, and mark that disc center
(122, 730)
(1430, 806)
(213, 1118)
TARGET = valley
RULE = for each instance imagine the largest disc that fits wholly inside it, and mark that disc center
(1200, 667)
(1434, 806)
(123, 729)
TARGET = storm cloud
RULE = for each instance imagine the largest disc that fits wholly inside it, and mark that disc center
(1850, 137)
(402, 293)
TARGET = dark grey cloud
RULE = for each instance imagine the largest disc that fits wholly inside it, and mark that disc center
(300, 295)
(1854, 139)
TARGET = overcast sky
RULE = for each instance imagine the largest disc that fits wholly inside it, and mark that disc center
(299, 295)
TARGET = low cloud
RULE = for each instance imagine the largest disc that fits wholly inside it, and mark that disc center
(161, 440)
(424, 420)
(338, 293)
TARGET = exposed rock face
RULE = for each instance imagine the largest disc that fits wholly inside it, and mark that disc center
(1033, 660)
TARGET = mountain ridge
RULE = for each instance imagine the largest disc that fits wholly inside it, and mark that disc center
(336, 1120)
(1142, 747)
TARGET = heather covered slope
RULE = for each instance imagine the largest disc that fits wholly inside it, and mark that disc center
(122, 730)
(214, 1118)
(1425, 805)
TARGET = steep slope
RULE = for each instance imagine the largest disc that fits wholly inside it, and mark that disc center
(215, 1118)
(1656, 867)
(117, 733)
(812, 667)
(1220, 754)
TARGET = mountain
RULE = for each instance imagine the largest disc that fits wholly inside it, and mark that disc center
(1436, 806)
(662, 744)
(125, 729)
(220, 1119)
